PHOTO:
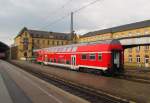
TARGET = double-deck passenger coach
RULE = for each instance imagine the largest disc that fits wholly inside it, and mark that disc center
(104, 56)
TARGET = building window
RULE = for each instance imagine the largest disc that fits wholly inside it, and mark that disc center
(25, 40)
(99, 56)
(146, 47)
(92, 56)
(138, 59)
(146, 59)
(138, 49)
(130, 34)
(130, 58)
(137, 33)
(84, 56)
(48, 42)
(57, 43)
(146, 31)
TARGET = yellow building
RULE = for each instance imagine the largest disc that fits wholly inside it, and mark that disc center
(27, 40)
(134, 57)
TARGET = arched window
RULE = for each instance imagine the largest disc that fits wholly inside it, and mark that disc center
(146, 59)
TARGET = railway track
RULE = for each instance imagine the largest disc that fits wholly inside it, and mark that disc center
(89, 94)
(133, 78)
(123, 76)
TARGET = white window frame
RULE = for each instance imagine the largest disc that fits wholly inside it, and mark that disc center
(130, 58)
(145, 58)
(138, 59)
(92, 54)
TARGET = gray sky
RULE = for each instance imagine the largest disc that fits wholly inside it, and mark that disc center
(40, 14)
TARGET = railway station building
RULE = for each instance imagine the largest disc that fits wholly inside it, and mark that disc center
(27, 40)
(137, 53)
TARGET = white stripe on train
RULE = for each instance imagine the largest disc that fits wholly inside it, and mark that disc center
(77, 52)
(75, 67)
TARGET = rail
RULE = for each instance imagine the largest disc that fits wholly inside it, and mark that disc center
(93, 96)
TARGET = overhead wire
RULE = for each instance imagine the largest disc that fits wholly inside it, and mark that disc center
(54, 22)
(60, 8)
(85, 6)
(55, 11)
(75, 11)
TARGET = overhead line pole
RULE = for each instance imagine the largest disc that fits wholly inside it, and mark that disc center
(71, 26)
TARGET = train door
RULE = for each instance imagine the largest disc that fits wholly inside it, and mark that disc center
(73, 62)
(116, 60)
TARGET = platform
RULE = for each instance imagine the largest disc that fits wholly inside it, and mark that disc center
(132, 91)
(18, 86)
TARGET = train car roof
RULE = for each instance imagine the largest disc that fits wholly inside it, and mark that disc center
(73, 47)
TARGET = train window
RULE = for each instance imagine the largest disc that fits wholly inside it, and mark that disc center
(51, 60)
(54, 60)
(74, 49)
(67, 62)
(84, 56)
(66, 48)
(53, 49)
(63, 49)
(59, 61)
(56, 49)
(92, 56)
(99, 56)
(59, 49)
(69, 49)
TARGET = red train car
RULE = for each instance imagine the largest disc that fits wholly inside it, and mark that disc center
(105, 56)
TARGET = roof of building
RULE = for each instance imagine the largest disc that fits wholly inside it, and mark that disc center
(46, 34)
(130, 26)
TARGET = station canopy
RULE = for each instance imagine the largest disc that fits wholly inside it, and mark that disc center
(3, 47)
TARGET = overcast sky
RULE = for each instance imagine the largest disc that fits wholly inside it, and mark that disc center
(41, 14)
